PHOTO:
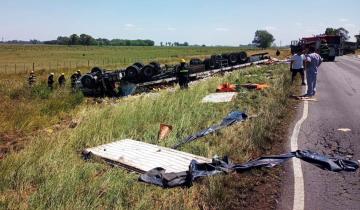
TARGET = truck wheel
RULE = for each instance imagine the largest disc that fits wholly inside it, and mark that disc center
(88, 81)
(242, 57)
(156, 65)
(148, 71)
(232, 59)
(139, 65)
(96, 70)
(131, 72)
(195, 61)
(207, 63)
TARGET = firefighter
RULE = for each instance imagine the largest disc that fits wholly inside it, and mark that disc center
(32, 78)
(51, 81)
(183, 75)
(73, 79)
(78, 74)
(277, 52)
(62, 80)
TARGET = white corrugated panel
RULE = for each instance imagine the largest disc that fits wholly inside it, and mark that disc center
(143, 157)
(219, 97)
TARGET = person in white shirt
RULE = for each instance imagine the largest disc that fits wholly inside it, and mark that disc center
(297, 66)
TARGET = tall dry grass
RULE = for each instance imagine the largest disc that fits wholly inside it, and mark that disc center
(51, 174)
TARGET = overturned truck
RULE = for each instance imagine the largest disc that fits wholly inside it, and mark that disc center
(101, 82)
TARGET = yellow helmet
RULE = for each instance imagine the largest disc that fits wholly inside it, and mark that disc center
(182, 60)
(62, 74)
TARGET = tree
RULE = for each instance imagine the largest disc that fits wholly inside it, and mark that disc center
(63, 40)
(342, 32)
(330, 31)
(87, 40)
(74, 39)
(35, 41)
(263, 39)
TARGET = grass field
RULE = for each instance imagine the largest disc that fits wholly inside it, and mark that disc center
(40, 161)
(20, 58)
(49, 172)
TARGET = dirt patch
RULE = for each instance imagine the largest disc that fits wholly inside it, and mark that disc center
(11, 142)
(263, 187)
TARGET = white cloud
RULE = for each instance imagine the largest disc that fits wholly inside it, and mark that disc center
(171, 29)
(343, 20)
(221, 29)
(299, 24)
(350, 25)
(270, 28)
(129, 25)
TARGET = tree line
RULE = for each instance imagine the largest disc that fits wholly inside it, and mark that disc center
(85, 39)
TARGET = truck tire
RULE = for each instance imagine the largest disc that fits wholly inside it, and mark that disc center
(233, 59)
(88, 81)
(97, 70)
(242, 57)
(132, 72)
(139, 65)
(195, 61)
(207, 63)
(148, 71)
(156, 65)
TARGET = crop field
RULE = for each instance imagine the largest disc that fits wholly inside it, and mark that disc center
(43, 132)
(23, 58)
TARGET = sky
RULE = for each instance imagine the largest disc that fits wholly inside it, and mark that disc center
(210, 22)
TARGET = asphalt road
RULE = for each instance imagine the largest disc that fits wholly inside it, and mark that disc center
(338, 106)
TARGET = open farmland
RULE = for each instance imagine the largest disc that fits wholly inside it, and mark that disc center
(21, 58)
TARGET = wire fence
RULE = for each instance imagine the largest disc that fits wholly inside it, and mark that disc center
(67, 65)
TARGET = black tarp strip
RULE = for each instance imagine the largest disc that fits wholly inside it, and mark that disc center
(159, 177)
(230, 119)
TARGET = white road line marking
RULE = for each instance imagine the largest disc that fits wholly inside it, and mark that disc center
(299, 194)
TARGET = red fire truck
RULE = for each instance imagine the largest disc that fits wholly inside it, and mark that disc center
(328, 46)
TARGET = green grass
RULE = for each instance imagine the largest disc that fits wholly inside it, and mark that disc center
(68, 58)
(50, 173)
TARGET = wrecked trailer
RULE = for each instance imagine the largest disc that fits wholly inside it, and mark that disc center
(101, 82)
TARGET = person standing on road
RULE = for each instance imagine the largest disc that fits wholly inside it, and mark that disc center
(183, 75)
(297, 64)
(51, 81)
(312, 63)
(62, 80)
(32, 78)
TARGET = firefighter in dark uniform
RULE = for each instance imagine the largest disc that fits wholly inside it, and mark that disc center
(32, 79)
(183, 75)
(78, 74)
(73, 79)
(62, 80)
(51, 81)
(278, 52)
